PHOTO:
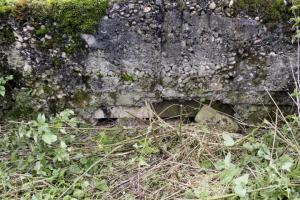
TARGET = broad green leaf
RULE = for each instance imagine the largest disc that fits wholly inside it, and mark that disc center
(41, 119)
(228, 174)
(285, 163)
(85, 184)
(61, 155)
(264, 152)
(240, 190)
(75, 169)
(10, 77)
(39, 168)
(102, 185)
(201, 192)
(241, 182)
(2, 90)
(219, 165)
(49, 138)
(287, 166)
(224, 164)
(43, 128)
(227, 160)
(142, 162)
(78, 193)
(63, 145)
(248, 146)
(228, 140)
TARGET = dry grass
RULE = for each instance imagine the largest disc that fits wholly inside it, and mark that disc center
(174, 170)
(183, 163)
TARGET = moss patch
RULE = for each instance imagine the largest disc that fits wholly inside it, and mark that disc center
(181, 5)
(57, 25)
(269, 10)
(81, 99)
(126, 77)
(40, 32)
(6, 36)
(7, 6)
(63, 20)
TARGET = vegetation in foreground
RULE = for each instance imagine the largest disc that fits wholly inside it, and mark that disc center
(62, 158)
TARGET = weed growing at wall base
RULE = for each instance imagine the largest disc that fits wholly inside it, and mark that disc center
(62, 158)
(3, 81)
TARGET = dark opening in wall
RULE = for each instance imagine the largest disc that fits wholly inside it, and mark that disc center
(176, 108)
(167, 110)
(188, 109)
(223, 107)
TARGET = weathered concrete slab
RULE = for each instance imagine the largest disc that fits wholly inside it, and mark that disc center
(156, 51)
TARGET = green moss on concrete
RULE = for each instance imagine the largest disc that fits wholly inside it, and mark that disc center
(81, 99)
(6, 36)
(40, 32)
(126, 77)
(269, 10)
(6, 7)
(77, 15)
(4, 10)
(181, 5)
(57, 62)
(63, 20)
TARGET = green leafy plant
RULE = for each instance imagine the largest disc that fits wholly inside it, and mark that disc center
(268, 10)
(263, 169)
(3, 81)
(126, 77)
(46, 139)
(144, 150)
(181, 5)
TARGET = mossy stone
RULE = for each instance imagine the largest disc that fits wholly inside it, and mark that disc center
(6, 36)
(269, 10)
(211, 117)
(81, 99)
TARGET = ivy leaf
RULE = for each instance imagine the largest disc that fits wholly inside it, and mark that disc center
(41, 119)
(10, 77)
(228, 140)
(61, 155)
(264, 152)
(78, 193)
(224, 164)
(219, 165)
(39, 168)
(49, 138)
(102, 185)
(228, 174)
(287, 166)
(142, 162)
(227, 161)
(75, 169)
(63, 145)
(2, 90)
(241, 182)
(248, 146)
(285, 163)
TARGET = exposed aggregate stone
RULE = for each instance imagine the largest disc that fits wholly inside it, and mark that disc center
(167, 50)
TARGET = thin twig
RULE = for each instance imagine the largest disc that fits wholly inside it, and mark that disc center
(88, 169)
